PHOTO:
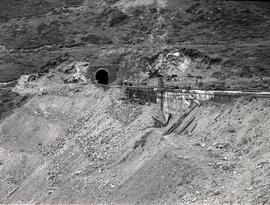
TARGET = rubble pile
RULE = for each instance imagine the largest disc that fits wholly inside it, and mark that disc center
(180, 66)
(75, 71)
(112, 149)
(106, 128)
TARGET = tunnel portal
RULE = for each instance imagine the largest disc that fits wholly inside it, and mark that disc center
(102, 76)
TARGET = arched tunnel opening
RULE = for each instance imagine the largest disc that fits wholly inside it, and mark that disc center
(102, 77)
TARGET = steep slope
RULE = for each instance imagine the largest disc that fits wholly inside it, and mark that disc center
(10, 9)
(75, 143)
(218, 22)
(234, 31)
(224, 160)
(87, 146)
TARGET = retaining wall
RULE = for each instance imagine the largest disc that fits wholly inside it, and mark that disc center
(178, 100)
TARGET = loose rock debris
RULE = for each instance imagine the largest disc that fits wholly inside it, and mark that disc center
(63, 141)
(96, 143)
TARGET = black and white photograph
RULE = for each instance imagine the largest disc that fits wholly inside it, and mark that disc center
(135, 102)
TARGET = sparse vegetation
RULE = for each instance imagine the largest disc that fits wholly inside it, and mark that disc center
(67, 142)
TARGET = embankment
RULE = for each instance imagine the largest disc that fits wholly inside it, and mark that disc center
(79, 144)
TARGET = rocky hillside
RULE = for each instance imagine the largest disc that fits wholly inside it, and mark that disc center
(75, 143)
(33, 33)
(29, 8)
(201, 44)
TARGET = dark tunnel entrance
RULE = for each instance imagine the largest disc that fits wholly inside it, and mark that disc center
(102, 77)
